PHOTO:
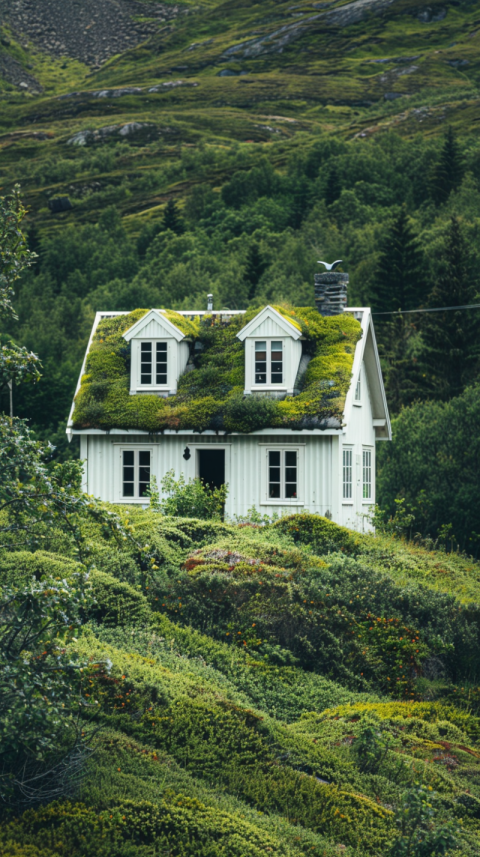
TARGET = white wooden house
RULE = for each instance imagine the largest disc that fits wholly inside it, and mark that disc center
(328, 470)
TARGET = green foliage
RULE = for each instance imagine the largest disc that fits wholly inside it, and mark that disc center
(432, 464)
(42, 689)
(419, 836)
(450, 338)
(15, 256)
(212, 395)
(192, 499)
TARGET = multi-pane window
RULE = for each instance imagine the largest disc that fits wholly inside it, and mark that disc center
(146, 362)
(161, 362)
(150, 370)
(282, 474)
(260, 362)
(358, 391)
(367, 474)
(268, 362)
(347, 474)
(135, 472)
(277, 362)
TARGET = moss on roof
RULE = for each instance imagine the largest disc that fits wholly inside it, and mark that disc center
(211, 396)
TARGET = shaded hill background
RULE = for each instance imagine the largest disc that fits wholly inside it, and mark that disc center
(170, 150)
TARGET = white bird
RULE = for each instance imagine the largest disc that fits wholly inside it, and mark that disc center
(332, 266)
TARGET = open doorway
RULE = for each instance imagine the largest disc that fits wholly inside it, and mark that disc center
(211, 467)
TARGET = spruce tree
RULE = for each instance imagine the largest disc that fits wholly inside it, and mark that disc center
(254, 268)
(334, 188)
(171, 219)
(403, 371)
(448, 171)
(399, 280)
(451, 341)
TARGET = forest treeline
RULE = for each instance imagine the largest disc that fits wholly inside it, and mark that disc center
(404, 215)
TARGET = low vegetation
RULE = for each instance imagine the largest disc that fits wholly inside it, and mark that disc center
(285, 689)
(211, 397)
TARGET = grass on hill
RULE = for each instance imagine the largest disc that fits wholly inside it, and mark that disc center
(273, 690)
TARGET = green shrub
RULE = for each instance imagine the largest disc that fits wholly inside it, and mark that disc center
(116, 602)
(192, 499)
(321, 534)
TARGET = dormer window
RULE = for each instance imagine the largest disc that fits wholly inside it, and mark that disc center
(150, 373)
(269, 362)
(273, 351)
(159, 354)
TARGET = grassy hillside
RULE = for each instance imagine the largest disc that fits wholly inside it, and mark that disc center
(273, 690)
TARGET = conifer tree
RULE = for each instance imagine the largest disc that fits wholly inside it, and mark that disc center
(334, 188)
(171, 219)
(254, 268)
(449, 170)
(399, 280)
(452, 346)
(404, 370)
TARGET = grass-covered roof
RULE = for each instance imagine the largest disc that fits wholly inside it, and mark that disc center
(211, 396)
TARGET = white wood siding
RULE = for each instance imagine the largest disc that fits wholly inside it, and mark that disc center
(359, 435)
(245, 461)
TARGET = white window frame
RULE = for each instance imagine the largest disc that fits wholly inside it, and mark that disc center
(367, 469)
(136, 449)
(358, 391)
(286, 502)
(347, 469)
(136, 385)
(269, 385)
(153, 385)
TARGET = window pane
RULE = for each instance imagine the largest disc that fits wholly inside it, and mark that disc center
(367, 474)
(161, 374)
(290, 474)
(347, 474)
(358, 391)
(274, 474)
(277, 362)
(128, 475)
(146, 362)
(260, 362)
(143, 472)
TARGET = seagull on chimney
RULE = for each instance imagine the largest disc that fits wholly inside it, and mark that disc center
(332, 266)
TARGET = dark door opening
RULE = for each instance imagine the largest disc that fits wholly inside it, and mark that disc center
(211, 467)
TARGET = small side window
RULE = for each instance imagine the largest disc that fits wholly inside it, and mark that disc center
(358, 391)
(347, 474)
(367, 474)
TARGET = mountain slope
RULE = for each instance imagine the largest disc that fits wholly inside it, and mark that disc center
(242, 715)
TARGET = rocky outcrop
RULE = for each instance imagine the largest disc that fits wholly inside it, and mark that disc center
(91, 30)
(88, 137)
(276, 41)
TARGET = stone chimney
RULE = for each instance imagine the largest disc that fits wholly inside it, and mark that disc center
(331, 292)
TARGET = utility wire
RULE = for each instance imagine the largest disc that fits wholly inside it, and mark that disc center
(435, 309)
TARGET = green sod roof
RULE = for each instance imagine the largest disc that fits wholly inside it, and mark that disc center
(211, 396)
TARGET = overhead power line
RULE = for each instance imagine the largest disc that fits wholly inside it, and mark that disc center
(435, 309)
